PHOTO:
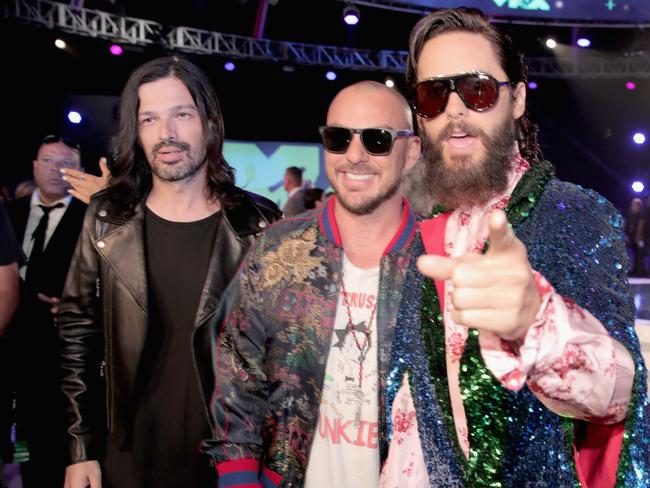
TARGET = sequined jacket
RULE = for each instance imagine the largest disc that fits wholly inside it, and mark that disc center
(273, 334)
(574, 239)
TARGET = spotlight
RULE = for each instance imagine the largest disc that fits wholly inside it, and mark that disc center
(630, 85)
(116, 50)
(330, 75)
(74, 117)
(229, 66)
(551, 43)
(583, 42)
(389, 82)
(638, 187)
(639, 138)
(532, 85)
(351, 15)
(60, 43)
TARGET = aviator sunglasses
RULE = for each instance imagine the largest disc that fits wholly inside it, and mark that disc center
(376, 141)
(479, 91)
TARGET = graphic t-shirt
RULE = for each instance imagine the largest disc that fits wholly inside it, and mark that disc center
(345, 451)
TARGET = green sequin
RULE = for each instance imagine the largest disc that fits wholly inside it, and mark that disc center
(480, 391)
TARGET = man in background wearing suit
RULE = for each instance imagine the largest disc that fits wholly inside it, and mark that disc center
(295, 192)
(47, 223)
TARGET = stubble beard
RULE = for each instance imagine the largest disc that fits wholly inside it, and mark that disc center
(187, 167)
(370, 204)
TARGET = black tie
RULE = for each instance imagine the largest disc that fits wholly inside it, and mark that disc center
(38, 238)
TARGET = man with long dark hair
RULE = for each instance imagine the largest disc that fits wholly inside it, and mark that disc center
(158, 248)
(520, 366)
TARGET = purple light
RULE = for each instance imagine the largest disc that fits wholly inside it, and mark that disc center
(638, 187)
(74, 117)
(330, 75)
(583, 42)
(229, 66)
(630, 85)
(639, 138)
(351, 15)
(532, 85)
(116, 50)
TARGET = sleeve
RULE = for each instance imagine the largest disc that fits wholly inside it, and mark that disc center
(10, 250)
(239, 400)
(81, 333)
(568, 359)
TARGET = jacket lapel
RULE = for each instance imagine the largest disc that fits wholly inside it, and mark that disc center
(123, 248)
(67, 231)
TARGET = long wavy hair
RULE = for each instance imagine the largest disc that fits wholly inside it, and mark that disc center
(512, 61)
(131, 178)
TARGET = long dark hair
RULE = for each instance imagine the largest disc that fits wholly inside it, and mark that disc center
(512, 61)
(131, 178)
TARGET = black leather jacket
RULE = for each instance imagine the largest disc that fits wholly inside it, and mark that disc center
(103, 314)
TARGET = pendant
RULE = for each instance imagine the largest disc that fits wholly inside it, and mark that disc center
(357, 415)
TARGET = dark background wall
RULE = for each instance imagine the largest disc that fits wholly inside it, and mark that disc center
(586, 124)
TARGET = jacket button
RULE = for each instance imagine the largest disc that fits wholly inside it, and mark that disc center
(102, 213)
(101, 244)
(261, 224)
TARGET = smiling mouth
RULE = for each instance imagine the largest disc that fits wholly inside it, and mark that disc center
(357, 177)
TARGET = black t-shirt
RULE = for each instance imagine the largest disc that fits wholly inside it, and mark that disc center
(10, 250)
(170, 419)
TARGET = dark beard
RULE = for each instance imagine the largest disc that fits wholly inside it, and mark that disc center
(178, 171)
(464, 181)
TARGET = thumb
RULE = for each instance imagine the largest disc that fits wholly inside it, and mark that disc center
(436, 267)
(103, 167)
(502, 238)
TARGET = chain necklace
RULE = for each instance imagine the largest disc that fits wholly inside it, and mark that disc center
(363, 349)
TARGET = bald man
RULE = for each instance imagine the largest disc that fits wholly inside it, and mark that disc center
(304, 333)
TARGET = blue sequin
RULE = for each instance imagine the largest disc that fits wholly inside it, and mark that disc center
(559, 232)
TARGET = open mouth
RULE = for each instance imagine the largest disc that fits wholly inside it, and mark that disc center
(461, 140)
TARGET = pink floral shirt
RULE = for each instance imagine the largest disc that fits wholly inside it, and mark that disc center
(567, 358)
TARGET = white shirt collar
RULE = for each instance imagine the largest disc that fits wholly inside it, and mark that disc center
(36, 200)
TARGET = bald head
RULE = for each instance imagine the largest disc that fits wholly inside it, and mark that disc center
(365, 167)
(372, 96)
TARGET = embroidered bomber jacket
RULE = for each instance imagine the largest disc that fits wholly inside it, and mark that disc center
(272, 337)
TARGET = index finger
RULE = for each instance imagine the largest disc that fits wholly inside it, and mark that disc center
(501, 236)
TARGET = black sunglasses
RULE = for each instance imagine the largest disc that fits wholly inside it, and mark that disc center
(53, 139)
(479, 91)
(376, 141)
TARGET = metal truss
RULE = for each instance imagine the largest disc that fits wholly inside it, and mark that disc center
(593, 67)
(83, 21)
(129, 30)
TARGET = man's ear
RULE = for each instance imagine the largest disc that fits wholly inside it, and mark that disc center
(519, 100)
(413, 151)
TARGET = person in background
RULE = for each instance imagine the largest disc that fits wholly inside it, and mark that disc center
(48, 223)
(293, 185)
(314, 198)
